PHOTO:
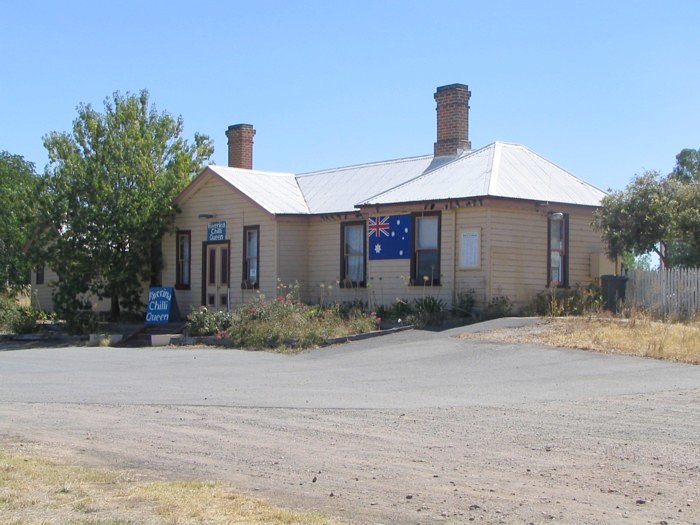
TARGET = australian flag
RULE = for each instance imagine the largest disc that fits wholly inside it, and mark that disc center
(389, 237)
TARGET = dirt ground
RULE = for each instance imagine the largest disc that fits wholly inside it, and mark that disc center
(622, 459)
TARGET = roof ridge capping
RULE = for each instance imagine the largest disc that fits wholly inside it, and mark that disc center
(362, 164)
(245, 171)
(459, 157)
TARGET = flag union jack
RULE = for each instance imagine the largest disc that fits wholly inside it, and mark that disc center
(378, 226)
(389, 237)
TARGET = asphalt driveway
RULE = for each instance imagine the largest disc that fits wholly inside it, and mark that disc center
(415, 428)
(410, 369)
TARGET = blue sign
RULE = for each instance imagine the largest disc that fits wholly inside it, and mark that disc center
(160, 301)
(216, 231)
(389, 237)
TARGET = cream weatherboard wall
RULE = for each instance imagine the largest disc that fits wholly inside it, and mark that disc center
(474, 279)
(292, 253)
(512, 259)
(212, 196)
(386, 279)
(41, 293)
(512, 244)
(42, 299)
(390, 279)
(517, 248)
(323, 284)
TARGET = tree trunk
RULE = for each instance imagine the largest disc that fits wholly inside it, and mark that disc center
(156, 263)
(114, 312)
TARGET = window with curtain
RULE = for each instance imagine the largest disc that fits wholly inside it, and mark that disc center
(557, 247)
(39, 270)
(352, 245)
(425, 265)
(182, 257)
(251, 261)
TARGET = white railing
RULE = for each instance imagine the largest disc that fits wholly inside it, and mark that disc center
(665, 292)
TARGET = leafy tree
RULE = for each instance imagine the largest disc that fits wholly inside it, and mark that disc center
(18, 196)
(685, 250)
(687, 166)
(656, 214)
(636, 219)
(109, 191)
(636, 262)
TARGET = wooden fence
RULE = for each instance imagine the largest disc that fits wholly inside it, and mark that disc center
(665, 292)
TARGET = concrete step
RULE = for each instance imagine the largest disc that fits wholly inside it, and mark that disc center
(154, 332)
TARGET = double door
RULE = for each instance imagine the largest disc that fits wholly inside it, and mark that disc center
(217, 275)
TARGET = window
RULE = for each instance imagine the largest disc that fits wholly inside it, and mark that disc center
(182, 258)
(39, 270)
(557, 249)
(469, 249)
(425, 264)
(352, 254)
(251, 261)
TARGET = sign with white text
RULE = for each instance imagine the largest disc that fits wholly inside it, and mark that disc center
(160, 302)
(216, 231)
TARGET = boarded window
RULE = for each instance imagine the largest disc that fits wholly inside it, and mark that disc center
(470, 249)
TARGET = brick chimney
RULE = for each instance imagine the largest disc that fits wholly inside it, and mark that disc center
(240, 146)
(452, 119)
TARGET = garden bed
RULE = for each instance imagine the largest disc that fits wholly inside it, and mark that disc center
(221, 341)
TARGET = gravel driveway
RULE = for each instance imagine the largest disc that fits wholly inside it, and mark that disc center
(416, 427)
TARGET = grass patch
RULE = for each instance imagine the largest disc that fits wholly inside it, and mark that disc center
(37, 490)
(638, 336)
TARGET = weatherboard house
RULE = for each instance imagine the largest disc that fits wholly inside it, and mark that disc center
(498, 221)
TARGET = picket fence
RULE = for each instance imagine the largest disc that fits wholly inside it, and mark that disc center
(665, 292)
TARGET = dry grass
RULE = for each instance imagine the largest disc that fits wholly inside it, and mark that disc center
(37, 491)
(638, 336)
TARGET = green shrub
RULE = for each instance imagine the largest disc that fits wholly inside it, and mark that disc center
(428, 311)
(398, 310)
(464, 304)
(204, 322)
(8, 306)
(500, 306)
(18, 319)
(578, 300)
(349, 308)
(25, 320)
(288, 323)
(81, 322)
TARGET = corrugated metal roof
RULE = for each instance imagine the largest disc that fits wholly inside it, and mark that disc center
(499, 170)
(340, 189)
(278, 193)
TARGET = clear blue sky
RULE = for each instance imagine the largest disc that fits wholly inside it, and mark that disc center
(604, 89)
